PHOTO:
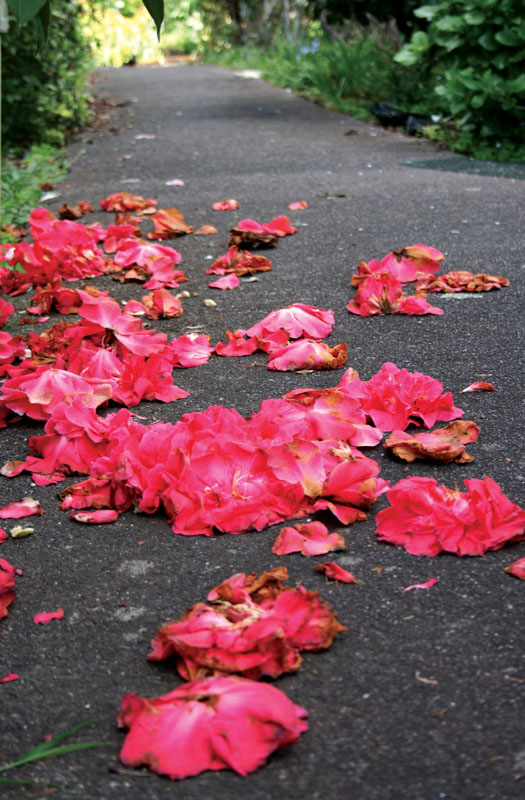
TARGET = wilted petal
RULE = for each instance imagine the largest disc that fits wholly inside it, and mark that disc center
(168, 223)
(44, 617)
(298, 205)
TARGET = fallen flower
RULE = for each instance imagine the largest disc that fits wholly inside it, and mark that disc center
(383, 294)
(240, 262)
(427, 519)
(168, 223)
(237, 345)
(309, 539)
(250, 234)
(335, 572)
(21, 508)
(3, 535)
(7, 586)
(478, 386)
(517, 568)
(406, 262)
(298, 205)
(125, 201)
(257, 630)
(11, 676)
(225, 205)
(298, 320)
(6, 309)
(213, 724)
(427, 585)
(226, 282)
(43, 617)
(307, 354)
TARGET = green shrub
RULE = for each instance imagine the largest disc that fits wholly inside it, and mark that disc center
(473, 52)
(43, 90)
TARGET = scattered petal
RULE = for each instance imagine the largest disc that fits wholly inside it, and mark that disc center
(334, 572)
(517, 568)
(11, 676)
(44, 617)
(298, 205)
(309, 539)
(209, 303)
(226, 282)
(145, 136)
(206, 230)
(479, 386)
(168, 223)
(174, 182)
(225, 205)
(103, 515)
(21, 508)
(427, 585)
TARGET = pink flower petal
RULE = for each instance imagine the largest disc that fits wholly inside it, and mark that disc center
(298, 205)
(11, 676)
(7, 586)
(225, 205)
(426, 585)
(227, 282)
(174, 182)
(213, 724)
(21, 508)
(335, 572)
(44, 617)
(3, 535)
(103, 515)
(517, 568)
(479, 386)
(309, 539)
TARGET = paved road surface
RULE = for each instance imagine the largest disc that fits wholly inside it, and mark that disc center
(422, 698)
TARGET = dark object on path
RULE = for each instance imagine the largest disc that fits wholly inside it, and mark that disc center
(390, 116)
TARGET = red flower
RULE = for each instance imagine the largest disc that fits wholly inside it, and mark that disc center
(427, 519)
(240, 262)
(218, 723)
(335, 572)
(225, 205)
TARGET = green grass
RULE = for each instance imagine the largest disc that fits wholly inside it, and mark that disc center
(20, 182)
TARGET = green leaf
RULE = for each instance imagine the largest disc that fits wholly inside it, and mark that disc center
(406, 57)
(507, 37)
(474, 17)
(449, 23)
(25, 10)
(420, 41)
(41, 23)
(426, 12)
(487, 41)
(156, 11)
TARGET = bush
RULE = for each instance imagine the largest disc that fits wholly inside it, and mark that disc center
(473, 53)
(44, 94)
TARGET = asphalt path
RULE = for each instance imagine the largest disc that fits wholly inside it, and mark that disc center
(422, 697)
